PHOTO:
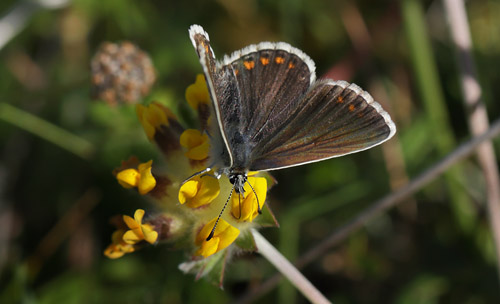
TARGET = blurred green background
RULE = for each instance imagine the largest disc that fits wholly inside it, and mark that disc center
(57, 192)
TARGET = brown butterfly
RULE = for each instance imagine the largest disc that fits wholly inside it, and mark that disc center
(272, 113)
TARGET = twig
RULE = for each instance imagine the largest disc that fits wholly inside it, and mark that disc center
(432, 97)
(478, 118)
(378, 207)
(287, 269)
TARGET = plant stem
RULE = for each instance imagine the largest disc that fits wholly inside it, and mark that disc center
(478, 117)
(47, 131)
(287, 269)
(427, 79)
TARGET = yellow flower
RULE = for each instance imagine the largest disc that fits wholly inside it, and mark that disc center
(138, 231)
(197, 93)
(153, 117)
(118, 247)
(224, 235)
(142, 178)
(248, 204)
(199, 191)
(197, 144)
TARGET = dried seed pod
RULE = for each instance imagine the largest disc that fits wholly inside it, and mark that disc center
(121, 73)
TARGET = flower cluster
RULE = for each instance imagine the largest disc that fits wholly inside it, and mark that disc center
(188, 208)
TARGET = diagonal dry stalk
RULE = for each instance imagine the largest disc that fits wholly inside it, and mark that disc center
(379, 207)
(288, 270)
(478, 118)
(16, 19)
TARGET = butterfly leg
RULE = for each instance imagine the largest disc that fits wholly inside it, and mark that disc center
(207, 169)
(210, 175)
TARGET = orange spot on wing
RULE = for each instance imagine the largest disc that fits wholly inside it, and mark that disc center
(249, 64)
(340, 99)
(279, 60)
(264, 61)
(236, 72)
(351, 107)
(291, 65)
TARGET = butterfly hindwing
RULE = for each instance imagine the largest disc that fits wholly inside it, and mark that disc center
(335, 118)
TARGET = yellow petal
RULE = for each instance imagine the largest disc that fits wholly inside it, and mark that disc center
(128, 178)
(113, 252)
(205, 231)
(199, 191)
(208, 190)
(260, 186)
(198, 144)
(198, 92)
(224, 235)
(227, 237)
(152, 117)
(156, 115)
(149, 129)
(130, 237)
(143, 167)
(130, 222)
(147, 182)
(249, 208)
(118, 247)
(208, 247)
(150, 235)
(188, 190)
(199, 152)
(190, 138)
(138, 215)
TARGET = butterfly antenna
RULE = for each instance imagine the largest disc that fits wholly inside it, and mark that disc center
(220, 214)
(256, 197)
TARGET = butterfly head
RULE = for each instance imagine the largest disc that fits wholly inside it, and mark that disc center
(238, 179)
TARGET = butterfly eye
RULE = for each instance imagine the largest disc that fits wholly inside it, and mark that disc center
(232, 179)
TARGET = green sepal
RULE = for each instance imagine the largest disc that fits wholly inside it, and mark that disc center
(267, 218)
(211, 268)
(246, 242)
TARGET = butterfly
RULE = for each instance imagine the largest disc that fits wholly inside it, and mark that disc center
(272, 112)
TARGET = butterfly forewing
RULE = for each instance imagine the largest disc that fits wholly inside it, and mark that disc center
(201, 43)
(332, 120)
(221, 85)
(271, 83)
